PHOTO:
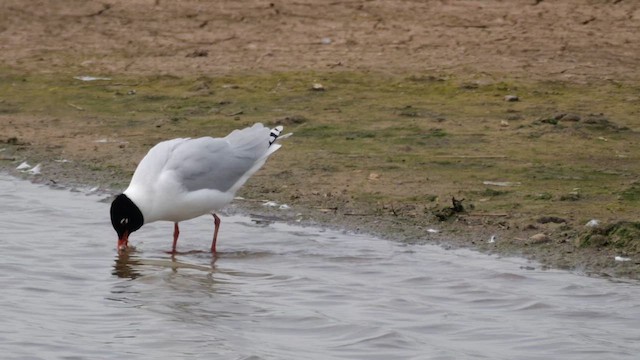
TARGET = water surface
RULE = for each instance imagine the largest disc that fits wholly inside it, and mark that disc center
(281, 292)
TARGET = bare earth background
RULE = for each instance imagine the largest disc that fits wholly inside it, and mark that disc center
(576, 56)
(568, 40)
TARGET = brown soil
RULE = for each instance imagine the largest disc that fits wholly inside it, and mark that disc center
(573, 41)
(578, 40)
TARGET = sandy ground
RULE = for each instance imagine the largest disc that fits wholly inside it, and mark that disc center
(577, 40)
(573, 41)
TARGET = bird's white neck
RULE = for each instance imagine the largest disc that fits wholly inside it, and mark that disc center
(143, 200)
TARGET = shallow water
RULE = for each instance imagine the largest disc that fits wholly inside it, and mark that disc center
(281, 292)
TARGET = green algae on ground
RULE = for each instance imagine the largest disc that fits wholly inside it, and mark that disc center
(623, 235)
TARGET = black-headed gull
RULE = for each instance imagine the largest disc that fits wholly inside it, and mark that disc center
(181, 179)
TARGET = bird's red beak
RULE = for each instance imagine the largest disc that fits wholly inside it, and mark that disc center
(123, 242)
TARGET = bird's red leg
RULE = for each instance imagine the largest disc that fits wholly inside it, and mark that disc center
(216, 221)
(176, 233)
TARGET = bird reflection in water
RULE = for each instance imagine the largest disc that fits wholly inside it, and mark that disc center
(128, 266)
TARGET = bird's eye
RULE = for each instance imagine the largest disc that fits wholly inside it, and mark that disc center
(124, 221)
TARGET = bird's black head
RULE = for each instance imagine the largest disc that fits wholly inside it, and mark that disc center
(126, 218)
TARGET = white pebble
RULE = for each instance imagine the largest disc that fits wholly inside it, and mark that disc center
(592, 223)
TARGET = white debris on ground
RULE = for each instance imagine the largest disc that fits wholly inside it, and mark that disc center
(592, 223)
(105, 141)
(275, 204)
(36, 170)
(502, 183)
(621, 258)
(90, 78)
(492, 239)
(24, 166)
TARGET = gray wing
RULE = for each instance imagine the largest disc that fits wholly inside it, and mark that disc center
(155, 161)
(208, 163)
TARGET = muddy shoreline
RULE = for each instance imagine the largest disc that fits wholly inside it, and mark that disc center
(487, 235)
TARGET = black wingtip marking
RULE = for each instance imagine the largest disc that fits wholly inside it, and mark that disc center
(275, 132)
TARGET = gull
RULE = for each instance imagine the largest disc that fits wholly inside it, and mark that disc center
(184, 178)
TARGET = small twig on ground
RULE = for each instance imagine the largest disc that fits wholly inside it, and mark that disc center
(105, 7)
(75, 106)
(473, 156)
(489, 214)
